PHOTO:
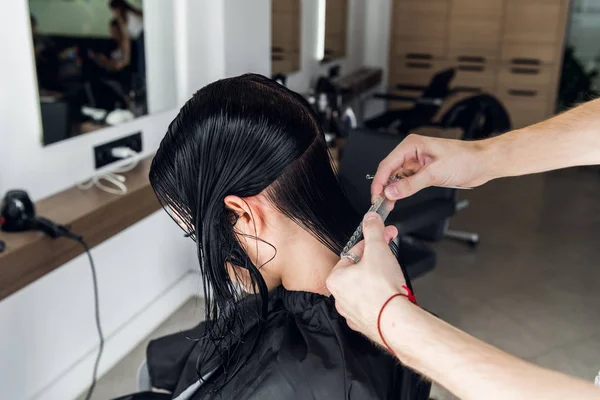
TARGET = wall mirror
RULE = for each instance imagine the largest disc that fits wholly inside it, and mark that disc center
(101, 63)
(285, 36)
(336, 21)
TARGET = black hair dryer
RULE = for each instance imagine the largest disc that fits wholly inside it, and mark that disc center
(17, 214)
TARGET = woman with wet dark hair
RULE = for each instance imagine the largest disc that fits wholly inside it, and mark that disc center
(245, 171)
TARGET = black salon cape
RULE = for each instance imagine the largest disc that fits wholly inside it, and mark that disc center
(307, 352)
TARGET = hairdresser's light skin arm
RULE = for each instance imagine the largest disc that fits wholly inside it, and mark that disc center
(569, 139)
(469, 368)
(464, 365)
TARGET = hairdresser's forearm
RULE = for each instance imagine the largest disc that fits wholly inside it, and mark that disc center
(566, 140)
(468, 367)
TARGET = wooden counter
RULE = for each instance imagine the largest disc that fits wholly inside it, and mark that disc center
(94, 214)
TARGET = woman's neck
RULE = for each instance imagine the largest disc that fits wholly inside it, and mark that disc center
(306, 263)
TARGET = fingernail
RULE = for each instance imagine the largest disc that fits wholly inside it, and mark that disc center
(391, 192)
(370, 216)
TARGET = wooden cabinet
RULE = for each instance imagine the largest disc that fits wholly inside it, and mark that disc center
(526, 104)
(533, 54)
(420, 19)
(525, 74)
(488, 9)
(285, 36)
(533, 21)
(510, 48)
(475, 28)
(475, 75)
(413, 71)
(336, 21)
(424, 49)
(474, 37)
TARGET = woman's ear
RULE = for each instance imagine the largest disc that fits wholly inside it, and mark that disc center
(246, 215)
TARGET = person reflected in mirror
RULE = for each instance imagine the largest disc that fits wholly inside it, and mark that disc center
(132, 21)
(120, 57)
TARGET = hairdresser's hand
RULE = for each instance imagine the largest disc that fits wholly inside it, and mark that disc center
(361, 289)
(428, 161)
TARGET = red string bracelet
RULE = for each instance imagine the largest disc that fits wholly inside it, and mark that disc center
(409, 295)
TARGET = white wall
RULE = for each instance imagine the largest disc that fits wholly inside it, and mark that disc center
(201, 44)
(247, 45)
(47, 332)
(159, 38)
(377, 45)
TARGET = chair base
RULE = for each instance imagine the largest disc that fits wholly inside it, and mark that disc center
(471, 238)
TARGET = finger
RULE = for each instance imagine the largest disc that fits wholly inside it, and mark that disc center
(408, 186)
(373, 229)
(358, 250)
(385, 169)
(390, 232)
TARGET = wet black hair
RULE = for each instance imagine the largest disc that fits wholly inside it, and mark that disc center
(243, 136)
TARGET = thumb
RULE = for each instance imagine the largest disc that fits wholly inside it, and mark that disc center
(373, 230)
(408, 186)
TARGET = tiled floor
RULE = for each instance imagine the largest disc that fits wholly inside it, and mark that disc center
(532, 287)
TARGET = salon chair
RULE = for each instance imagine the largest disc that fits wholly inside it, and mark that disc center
(427, 102)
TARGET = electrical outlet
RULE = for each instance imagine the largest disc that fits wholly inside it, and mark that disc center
(102, 153)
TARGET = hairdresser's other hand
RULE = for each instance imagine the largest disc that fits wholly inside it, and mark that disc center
(428, 161)
(361, 289)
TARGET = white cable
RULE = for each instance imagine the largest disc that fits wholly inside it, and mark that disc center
(114, 178)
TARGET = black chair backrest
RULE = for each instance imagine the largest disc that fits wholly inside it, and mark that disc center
(429, 103)
(363, 151)
(479, 117)
(439, 87)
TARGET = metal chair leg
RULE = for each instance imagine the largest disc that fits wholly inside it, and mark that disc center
(470, 237)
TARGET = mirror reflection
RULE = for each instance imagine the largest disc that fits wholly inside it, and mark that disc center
(90, 59)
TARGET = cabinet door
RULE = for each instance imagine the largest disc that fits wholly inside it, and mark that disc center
(488, 9)
(284, 6)
(533, 21)
(475, 75)
(413, 72)
(336, 21)
(420, 19)
(417, 49)
(474, 37)
(529, 54)
(522, 75)
(285, 36)
(526, 104)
